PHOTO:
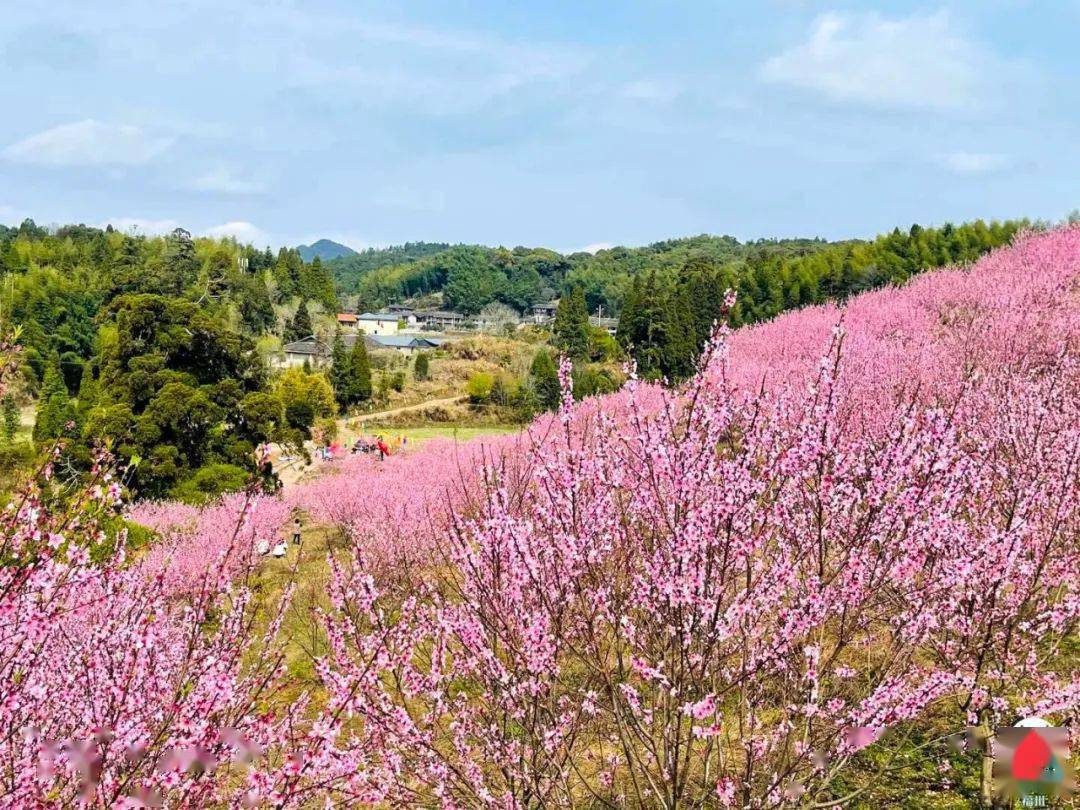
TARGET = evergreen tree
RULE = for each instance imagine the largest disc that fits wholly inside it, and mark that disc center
(680, 346)
(628, 328)
(54, 406)
(341, 372)
(181, 266)
(420, 368)
(53, 380)
(545, 381)
(88, 391)
(571, 325)
(10, 421)
(289, 274)
(318, 284)
(361, 371)
(300, 326)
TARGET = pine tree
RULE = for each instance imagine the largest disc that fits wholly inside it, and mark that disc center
(53, 380)
(319, 284)
(679, 348)
(571, 325)
(10, 413)
(300, 326)
(626, 333)
(54, 407)
(545, 381)
(88, 391)
(288, 273)
(181, 266)
(341, 372)
(361, 371)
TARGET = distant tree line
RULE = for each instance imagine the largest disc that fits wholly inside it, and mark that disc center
(665, 320)
(470, 277)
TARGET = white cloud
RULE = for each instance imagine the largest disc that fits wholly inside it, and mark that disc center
(595, 247)
(223, 180)
(915, 61)
(89, 143)
(141, 227)
(243, 232)
(973, 162)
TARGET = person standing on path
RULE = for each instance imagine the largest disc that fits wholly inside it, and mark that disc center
(296, 532)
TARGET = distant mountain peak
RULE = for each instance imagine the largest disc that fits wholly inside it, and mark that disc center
(325, 249)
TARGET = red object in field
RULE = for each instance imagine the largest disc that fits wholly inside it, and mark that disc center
(382, 447)
(1030, 757)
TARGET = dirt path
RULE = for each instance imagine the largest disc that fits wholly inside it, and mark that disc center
(420, 406)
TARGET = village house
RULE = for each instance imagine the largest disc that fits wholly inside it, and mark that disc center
(348, 321)
(309, 350)
(377, 323)
(403, 313)
(542, 313)
(440, 319)
(317, 353)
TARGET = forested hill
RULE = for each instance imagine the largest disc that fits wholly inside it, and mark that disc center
(771, 274)
(349, 270)
(324, 249)
(472, 276)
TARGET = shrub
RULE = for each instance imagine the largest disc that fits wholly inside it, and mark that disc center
(479, 387)
(209, 482)
(421, 367)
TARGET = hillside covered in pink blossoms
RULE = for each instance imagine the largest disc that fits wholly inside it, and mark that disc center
(795, 580)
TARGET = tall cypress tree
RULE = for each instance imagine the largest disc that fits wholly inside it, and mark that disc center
(10, 413)
(571, 325)
(181, 266)
(627, 330)
(545, 379)
(319, 284)
(88, 391)
(54, 407)
(341, 372)
(300, 326)
(361, 371)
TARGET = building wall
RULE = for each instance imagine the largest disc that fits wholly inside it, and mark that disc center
(291, 360)
(387, 327)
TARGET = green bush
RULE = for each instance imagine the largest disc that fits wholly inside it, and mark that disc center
(209, 482)
(479, 387)
(397, 380)
(420, 369)
(590, 382)
(603, 347)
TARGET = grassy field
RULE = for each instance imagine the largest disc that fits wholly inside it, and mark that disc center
(420, 434)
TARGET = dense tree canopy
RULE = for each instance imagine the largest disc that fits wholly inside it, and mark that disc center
(150, 342)
(174, 388)
(666, 319)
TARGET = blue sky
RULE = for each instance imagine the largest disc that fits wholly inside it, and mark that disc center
(565, 124)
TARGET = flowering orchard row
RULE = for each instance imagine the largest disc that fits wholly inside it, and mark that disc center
(854, 531)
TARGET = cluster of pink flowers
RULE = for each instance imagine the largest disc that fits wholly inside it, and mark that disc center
(392, 511)
(115, 691)
(852, 524)
(215, 540)
(732, 588)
